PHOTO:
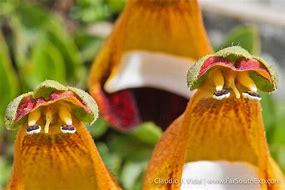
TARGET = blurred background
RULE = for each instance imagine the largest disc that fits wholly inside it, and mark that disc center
(59, 39)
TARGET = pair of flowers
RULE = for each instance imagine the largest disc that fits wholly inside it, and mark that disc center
(222, 123)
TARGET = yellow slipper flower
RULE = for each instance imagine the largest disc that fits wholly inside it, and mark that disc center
(139, 73)
(53, 148)
(219, 142)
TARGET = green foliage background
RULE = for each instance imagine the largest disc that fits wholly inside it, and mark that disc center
(51, 40)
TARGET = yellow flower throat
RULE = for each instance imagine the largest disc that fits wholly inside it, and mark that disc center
(51, 115)
(225, 80)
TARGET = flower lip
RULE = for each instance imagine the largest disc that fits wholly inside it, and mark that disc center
(137, 70)
(155, 26)
(225, 171)
(237, 60)
(33, 129)
(47, 93)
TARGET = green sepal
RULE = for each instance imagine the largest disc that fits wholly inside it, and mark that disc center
(89, 102)
(11, 111)
(43, 90)
(233, 53)
(193, 81)
(264, 84)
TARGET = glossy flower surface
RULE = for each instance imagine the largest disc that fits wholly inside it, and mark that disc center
(139, 74)
(221, 131)
(53, 149)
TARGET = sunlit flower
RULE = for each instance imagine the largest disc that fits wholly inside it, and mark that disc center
(139, 74)
(220, 137)
(53, 148)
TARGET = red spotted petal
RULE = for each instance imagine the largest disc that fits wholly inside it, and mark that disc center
(127, 108)
(118, 108)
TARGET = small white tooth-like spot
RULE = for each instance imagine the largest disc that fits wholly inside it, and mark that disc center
(68, 130)
(223, 96)
(250, 97)
(36, 130)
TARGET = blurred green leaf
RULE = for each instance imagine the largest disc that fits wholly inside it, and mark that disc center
(30, 24)
(134, 150)
(130, 148)
(268, 112)
(244, 36)
(131, 175)
(280, 158)
(116, 6)
(147, 132)
(8, 79)
(279, 133)
(138, 185)
(279, 130)
(89, 45)
(5, 169)
(112, 161)
(65, 44)
(277, 140)
(98, 128)
(46, 62)
(89, 11)
(6, 7)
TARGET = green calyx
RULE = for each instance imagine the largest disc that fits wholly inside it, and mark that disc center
(234, 53)
(43, 90)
